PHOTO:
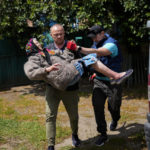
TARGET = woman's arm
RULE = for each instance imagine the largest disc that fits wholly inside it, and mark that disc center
(33, 68)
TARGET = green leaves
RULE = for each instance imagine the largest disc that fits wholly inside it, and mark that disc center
(128, 16)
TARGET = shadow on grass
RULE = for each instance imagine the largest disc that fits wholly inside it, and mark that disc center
(38, 88)
(85, 89)
(129, 137)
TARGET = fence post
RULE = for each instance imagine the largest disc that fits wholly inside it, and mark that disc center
(147, 125)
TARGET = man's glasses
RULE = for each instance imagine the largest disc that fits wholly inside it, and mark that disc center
(56, 35)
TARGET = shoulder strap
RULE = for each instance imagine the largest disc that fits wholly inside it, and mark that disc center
(47, 56)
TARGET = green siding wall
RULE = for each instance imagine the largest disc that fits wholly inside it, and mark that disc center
(11, 65)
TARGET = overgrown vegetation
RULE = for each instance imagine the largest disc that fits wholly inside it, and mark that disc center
(128, 18)
(22, 121)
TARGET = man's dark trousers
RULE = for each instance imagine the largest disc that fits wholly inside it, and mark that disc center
(103, 90)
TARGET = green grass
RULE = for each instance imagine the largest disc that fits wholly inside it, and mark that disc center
(62, 133)
(32, 133)
(2, 140)
(10, 111)
(19, 121)
(85, 94)
(22, 121)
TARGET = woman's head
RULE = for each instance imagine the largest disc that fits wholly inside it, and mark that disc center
(33, 46)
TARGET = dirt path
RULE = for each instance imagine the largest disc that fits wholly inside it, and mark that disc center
(88, 133)
(131, 108)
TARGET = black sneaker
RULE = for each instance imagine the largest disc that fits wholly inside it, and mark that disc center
(113, 125)
(51, 148)
(101, 140)
(75, 140)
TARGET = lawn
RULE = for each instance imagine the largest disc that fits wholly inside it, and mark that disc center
(22, 121)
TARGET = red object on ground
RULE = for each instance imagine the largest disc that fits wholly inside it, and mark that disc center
(71, 45)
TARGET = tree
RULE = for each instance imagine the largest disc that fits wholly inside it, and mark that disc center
(128, 17)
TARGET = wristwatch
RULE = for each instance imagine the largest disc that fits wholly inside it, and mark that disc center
(79, 48)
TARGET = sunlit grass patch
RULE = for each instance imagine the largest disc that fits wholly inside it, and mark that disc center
(69, 147)
(85, 94)
(9, 111)
(85, 104)
(25, 101)
(130, 108)
(1, 106)
(61, 107)
(23, 118)
(88, 115)
(6, 110)
(28, 110)
(30, 132)
(127, 116)
(62, 132)
(25, 107)
(2, 140)
(63, 118)
(27, 117)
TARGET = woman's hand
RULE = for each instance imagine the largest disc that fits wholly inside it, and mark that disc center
(53, 67)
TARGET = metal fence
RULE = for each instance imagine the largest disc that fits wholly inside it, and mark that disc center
(11, 65)
(139, 63)
(12, 61)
